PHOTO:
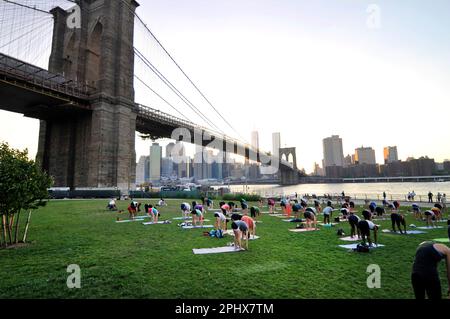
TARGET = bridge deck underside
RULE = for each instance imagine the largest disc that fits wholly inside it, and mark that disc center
(34, 103)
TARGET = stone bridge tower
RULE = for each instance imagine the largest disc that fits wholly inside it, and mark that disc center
(96, 148)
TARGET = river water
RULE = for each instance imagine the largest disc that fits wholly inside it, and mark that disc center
(371, 190)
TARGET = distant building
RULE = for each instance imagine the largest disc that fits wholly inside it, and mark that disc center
(390, 154)
(348, 160)
(155, 162)
(333, 156)
(365, 155)
(447, 166)
(255, 140)
(142, 170)
(169, 149)
(167, 167)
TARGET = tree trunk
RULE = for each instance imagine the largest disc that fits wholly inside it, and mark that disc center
(16, 230)
(8, 230)
(3, 235)
(26, 228)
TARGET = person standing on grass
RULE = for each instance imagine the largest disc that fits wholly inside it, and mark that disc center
(384, 195)
(327, 213)
(317, 206)
(430, 197)
(240, 230)
(425, 275)
(444, 204)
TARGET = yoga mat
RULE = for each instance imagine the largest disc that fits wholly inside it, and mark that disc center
(218, 250)
(152, 223)
(231, 233)
(129, 220)
(442, 240)
(182, 218)
(348, 238)
(302, 230)
(409, 232)
(289, 221)
(327, 225)
(276, 215)
(430, 227)
(353, 246)
(195, 227)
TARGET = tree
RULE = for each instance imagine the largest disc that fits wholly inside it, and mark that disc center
(23, 186)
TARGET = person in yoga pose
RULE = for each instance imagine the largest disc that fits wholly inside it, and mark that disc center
(271, 204)
(226, 209)
(197, 217)
(297, 208)
(430, 217)
(372, 207)
(398, 219)
(367, 214)
(221, 221)
(345, 212)
(153, 213)
(251, 226)
(438, 211)
(310, 215)
(380, 211)
(416, 211)
(365, 226)
(425, 275)
(240, 230)
(185, 210)
(353, 220)
(244, 207)
(317, 206)
(254, 212)
(328, 213)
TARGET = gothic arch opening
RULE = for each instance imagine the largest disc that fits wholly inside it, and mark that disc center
(69, 58)
(93, 55)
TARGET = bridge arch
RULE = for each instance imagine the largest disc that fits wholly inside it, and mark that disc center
(290, 155)
(94, 54)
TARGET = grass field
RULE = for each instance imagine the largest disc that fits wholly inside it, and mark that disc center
(131, 260)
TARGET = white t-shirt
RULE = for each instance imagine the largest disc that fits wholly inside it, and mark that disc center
(371, 225)
(327, 210)
(187, 206)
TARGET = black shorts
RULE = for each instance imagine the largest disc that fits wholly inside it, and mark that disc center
(309, 215)
(364, 228)
(252, 213)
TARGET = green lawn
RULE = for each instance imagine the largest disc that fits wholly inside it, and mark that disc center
(135, 261)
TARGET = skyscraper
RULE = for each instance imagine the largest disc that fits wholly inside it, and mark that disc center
(365, 155)
(333, 156)
(142, 170)
(333, 151)
(390, 154)
(155, 162)
(169, 149)
(255, 140)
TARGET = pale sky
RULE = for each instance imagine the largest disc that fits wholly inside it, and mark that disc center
(308, 69)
